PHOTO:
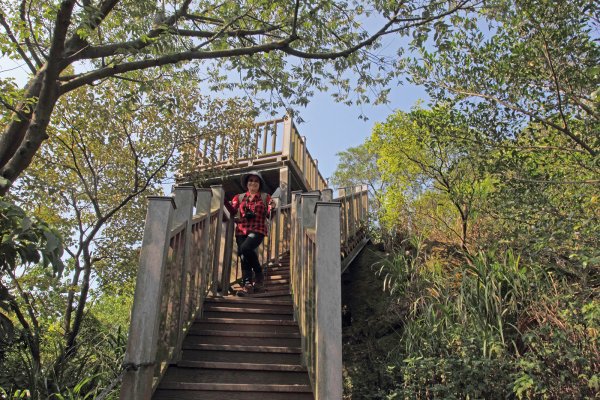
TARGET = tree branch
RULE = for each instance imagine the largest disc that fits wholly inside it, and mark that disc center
(25, 18)
(90, 77)
(13, 39)
(514, 107)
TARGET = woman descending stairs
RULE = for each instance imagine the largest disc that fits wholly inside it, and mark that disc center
(242, 347)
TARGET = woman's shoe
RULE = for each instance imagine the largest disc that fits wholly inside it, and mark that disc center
(259, 287)
(246, 290)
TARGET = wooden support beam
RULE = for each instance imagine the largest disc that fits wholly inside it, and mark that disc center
(217, 203)
(143, 330)
(184, 203)
(328, 303)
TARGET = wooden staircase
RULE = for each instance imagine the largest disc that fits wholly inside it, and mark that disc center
(242, 347)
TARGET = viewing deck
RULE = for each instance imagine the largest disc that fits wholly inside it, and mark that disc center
(274, 147)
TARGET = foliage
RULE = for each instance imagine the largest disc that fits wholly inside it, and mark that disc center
(516, 315)
(519, 62)
(357, 166)
(93, 195)
(545, 202)
(430, 153)
(492, 333)
(26, 240)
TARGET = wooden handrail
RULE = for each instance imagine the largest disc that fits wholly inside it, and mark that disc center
(315, 257)
(178, 268)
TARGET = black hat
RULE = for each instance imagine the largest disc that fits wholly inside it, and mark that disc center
(252, 173)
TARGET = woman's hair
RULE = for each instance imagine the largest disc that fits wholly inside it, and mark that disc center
(245, 177)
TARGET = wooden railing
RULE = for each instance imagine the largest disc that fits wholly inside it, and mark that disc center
(187, 254)
(276, 139)
(353, 221)
(183, 257)
(319, 247)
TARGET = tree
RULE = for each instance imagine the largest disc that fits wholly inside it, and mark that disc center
(285, 46)
(526, 76)
(544, 202)
(427, 152)
(25, 240)
(518, 63)
(358, 166)
(109, 144)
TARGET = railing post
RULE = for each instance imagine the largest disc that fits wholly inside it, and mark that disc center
(275, 233)
(203, 200)
(316, 177)
(344, 222)
(184, 203)
(227, 254)
(351, 222)
(303, 168)
(366, 204)
(328, 303)
(284, 185)
(307, 221)
(286, 149)
(145, 317)
(326, 194)
(218, 201)
(295, 215)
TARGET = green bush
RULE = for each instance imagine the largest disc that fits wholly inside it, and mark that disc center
(506, 330)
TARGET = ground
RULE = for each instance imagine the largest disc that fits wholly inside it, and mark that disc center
(370, 326)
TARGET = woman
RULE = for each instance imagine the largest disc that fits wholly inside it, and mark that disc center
(253, 208)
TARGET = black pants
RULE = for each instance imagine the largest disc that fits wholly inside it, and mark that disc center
(247, 245)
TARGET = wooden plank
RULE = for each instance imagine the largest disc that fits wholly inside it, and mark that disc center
(246, 366)
(239, 387)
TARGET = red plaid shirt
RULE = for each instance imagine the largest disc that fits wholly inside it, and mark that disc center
(258, 224)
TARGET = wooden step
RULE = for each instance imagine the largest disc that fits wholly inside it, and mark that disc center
(280, 275)
(249, 348)
(201, 330)
(278, 271)
(276, 294)
(238, 357)
(249, 300)
(247, 315)
(240, 387)
(248, 308)
(251, 310)
(242, 321)
(213, 373)
(248, 340)
(242, 347)
(268, 285)
(227, 394)
(278, 281)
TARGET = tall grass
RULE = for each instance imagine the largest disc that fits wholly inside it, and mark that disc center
(493, 327)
